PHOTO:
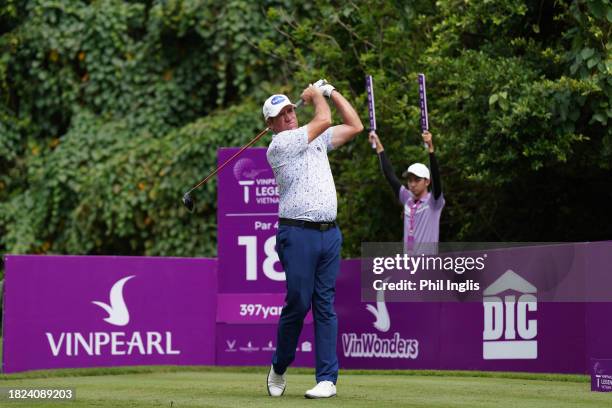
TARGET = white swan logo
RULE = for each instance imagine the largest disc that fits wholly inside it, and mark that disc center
(118, 313)
(369, 345)
(383, 322)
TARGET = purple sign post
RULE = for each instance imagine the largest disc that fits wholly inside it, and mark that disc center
(423, 103)
(251, 279)
(88, 311)
(371, 108)
(247, 216)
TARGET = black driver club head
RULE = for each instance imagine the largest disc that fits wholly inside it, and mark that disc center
(188, 202)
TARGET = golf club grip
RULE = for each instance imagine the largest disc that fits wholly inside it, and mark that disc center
(238, 153)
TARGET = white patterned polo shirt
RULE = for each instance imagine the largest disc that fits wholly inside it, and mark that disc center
(306, 185)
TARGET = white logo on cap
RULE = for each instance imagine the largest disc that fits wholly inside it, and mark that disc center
(277, 99)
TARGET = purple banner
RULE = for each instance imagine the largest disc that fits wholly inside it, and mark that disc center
(456, 335)
(85, 311)
(247, 218)
(63, 312)
(251, 279)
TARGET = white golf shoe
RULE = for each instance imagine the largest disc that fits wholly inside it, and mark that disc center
(276, 383)
(324, 389)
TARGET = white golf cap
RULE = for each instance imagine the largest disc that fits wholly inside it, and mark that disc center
(418, 169)
(274, 104)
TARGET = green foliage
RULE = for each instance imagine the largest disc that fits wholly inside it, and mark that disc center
(518, 96)
(107, 190)
(110, 109)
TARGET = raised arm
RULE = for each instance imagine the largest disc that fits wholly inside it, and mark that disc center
(351, 123)
(436, 187)
(322, 117)
(385, 164)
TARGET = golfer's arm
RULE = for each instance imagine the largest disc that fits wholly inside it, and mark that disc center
(387, 169)
(322, 118)
(351, 123)
(435, 176)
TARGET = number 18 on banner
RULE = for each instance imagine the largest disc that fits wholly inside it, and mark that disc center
(372, 112)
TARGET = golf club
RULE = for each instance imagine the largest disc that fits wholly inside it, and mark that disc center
(188, 199)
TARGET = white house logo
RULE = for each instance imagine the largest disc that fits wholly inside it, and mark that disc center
(509, 333)
(116, 343)
(248, 175)
(368, 345)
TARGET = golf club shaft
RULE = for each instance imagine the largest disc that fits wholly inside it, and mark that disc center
(238, 153)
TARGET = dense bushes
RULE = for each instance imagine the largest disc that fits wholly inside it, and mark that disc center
(111, 109)
(519, 96)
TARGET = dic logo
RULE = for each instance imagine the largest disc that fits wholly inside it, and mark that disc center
(509, 333)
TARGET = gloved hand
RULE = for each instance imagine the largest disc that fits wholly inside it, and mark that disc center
(325, 87)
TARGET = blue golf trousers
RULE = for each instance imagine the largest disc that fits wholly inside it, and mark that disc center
(311, 260)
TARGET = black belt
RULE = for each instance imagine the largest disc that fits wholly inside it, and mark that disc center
(320, 226)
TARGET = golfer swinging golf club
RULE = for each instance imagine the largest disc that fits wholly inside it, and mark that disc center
(422, 209)
(308, 240)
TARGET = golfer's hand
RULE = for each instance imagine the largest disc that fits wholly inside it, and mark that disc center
(427, 139)
(310, 94)
(373, 138)
(326, 88)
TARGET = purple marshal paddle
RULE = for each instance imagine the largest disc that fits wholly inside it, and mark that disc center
(423, 104)
(370, 89)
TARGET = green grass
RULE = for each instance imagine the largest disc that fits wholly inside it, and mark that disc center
(245, 387)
